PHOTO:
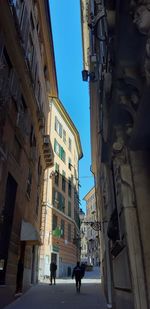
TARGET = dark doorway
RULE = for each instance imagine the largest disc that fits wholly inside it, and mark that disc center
(6, 226)
(20, 268)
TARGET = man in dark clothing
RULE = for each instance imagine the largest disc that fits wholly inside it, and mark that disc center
(77, 273)
(53, 268)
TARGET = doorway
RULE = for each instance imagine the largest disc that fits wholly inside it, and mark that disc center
(6, 226)
(20, 268)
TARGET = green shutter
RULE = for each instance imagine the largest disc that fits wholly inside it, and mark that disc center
(57, 232)
(55, 142)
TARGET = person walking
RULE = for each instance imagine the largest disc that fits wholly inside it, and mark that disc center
(53, 268)
(78, 274)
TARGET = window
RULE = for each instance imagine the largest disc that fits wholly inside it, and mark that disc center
(70, 144)
(62, 154)
(59, 151)
(64, 136)
(56, 147)
(58, 127)
(57, 174)
(58, 200)
(63, 181)
(55, 198)
(29, 183)
(69, 208)
(69, 164)
(61, 202)
(75, 174)
(69, 187)
(62, 228)
(69, 232)
(54, 222)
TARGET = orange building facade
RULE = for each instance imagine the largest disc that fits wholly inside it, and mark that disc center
(27, 78)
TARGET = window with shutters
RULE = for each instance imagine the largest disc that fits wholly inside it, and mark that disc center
(70, 144)
(56, 174)
(69, 164)
(63, 181)
(62, 154)
(59, 151)
(61, 202)
(55, 198)
(23, 119)
(69, 187)
(56, 147)
(58, 127)
(64, 136)
(62, 228)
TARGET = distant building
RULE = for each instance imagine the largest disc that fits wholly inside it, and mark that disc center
(61, 233)
(93, 249)
(27, 78)
(83, 237)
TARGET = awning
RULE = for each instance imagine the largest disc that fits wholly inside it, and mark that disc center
(29, 233)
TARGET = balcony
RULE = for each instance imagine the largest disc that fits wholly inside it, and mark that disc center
(47, 151)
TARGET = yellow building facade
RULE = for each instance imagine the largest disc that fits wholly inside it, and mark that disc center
(61, 195)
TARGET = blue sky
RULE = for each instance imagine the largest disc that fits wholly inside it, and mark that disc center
(73, 92)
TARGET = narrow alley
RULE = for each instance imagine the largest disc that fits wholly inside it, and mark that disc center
(64, 294)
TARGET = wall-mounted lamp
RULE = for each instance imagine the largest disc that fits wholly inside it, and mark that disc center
(95, 225)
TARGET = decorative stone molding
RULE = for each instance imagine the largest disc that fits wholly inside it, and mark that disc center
(141, 18)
